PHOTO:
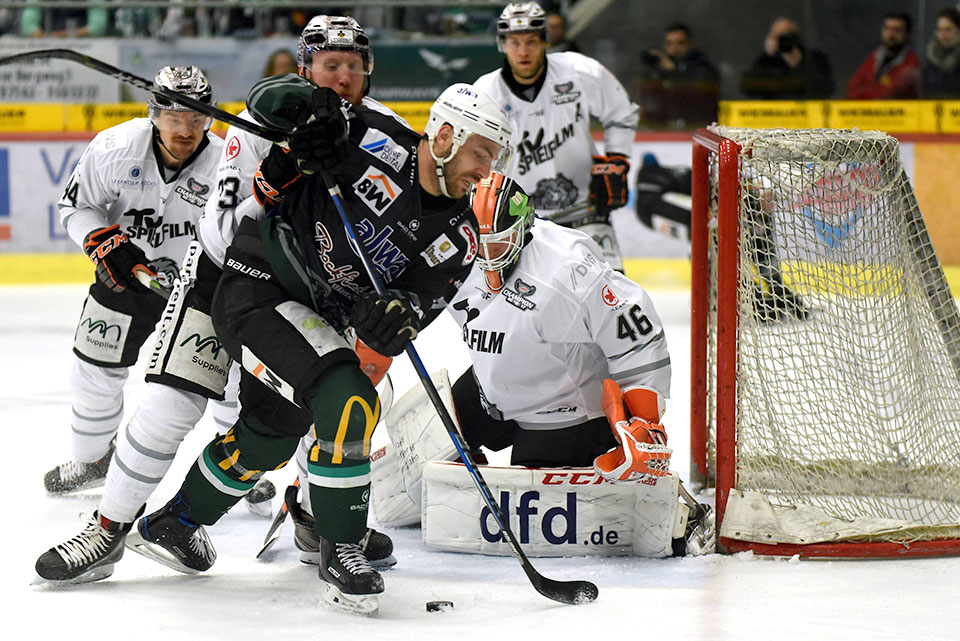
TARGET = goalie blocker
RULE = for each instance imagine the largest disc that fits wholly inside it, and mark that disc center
(554, 512)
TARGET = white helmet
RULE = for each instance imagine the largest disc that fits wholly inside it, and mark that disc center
(469, 112)
(185, 80)
(189, 81)
(521, 17)
(334, 33)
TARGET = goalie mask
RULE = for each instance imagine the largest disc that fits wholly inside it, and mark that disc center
(469, 112)
(521, 17)
(334, 33)
(505, 214)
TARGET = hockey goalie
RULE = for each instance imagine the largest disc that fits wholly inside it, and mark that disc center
(570, 369)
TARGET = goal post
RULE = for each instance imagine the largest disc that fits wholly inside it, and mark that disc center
(825, 348)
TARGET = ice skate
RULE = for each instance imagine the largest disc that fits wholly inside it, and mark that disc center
(74, 475)
(351, 584)
(88, 556)
(167, 537)
(377, 546)
(258, 500)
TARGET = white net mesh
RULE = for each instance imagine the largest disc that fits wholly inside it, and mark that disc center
(848, 366)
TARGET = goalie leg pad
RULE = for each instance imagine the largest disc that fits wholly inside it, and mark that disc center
(552, 511)
(417, 433)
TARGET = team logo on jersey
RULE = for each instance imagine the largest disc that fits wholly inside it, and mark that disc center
(473, 244)
(376, 190)
(439, 250)
(384, 253)
(555, 193)
(464, 306)
(232, 149)
(381, 146)
(152, 230)
(518, 297)
(537, 149)
(135, 172)
(609, 298)
(565, 93)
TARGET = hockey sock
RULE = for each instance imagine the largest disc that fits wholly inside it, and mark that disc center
(229, 467)
(346, 409)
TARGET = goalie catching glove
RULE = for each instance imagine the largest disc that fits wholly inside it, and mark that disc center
(608, 182)
(119, 262)
(643, 455)
(384, 325)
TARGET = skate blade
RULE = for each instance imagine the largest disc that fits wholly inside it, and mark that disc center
(365, 604)
(138, 544)
(96, 574)
(91, 485)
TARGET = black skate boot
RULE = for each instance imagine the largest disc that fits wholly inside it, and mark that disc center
(377, 546)
(73, 475)
(89, 556)
(351, 584)
(258, 499)
(168, 537)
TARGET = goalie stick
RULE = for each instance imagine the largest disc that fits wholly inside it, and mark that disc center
(569, 592)
(267, 133)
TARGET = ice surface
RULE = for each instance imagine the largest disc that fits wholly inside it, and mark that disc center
(713, 598)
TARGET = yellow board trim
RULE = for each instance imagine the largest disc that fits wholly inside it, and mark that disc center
(59, 269)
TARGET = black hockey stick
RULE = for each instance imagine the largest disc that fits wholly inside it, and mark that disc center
(570, 592)
(273, 135)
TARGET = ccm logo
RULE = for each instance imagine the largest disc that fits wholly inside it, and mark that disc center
(572, 478)
(249, 271)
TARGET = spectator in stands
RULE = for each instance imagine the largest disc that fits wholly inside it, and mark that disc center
(786, 69)
(941, 68)
(36, 22)
(892, 70)
(678, 83)
(557, 34)
(280, 62)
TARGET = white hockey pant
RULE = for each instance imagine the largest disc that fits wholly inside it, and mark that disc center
(97, 400)
(147, 447)
(226, 412)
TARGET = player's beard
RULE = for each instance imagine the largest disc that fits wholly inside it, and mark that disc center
(537, 68)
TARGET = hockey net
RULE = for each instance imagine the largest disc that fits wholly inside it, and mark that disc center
(825, 379)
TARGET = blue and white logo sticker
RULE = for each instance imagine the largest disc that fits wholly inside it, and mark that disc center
(381, 146)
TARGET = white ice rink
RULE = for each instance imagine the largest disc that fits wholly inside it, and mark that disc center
(715, 598)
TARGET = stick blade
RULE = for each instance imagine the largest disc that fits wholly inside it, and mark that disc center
(568, 592)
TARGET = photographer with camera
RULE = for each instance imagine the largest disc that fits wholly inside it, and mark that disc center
(787, 70)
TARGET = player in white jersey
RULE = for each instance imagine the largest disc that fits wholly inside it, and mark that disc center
(132, 204)
(188, 365)
(546, 321)
(549, 99)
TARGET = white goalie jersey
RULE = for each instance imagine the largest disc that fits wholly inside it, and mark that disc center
(563, 322)
(552, 144)
(119, 180)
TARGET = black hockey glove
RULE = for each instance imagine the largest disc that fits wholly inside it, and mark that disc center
(608, 182)
(116, 258)
(384, 325)
(321, 142)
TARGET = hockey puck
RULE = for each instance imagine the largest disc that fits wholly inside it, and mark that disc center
(439, 606)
